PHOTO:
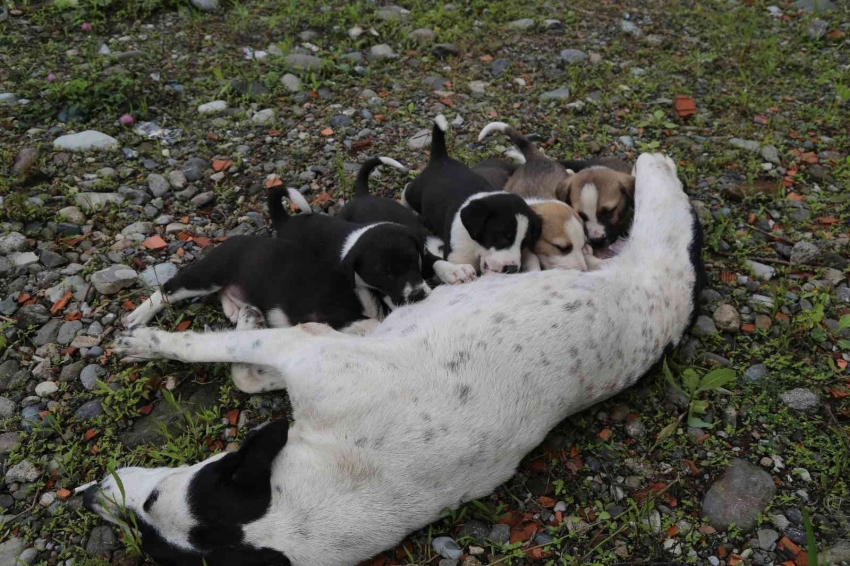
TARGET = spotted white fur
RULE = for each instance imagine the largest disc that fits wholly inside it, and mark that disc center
(436, 406)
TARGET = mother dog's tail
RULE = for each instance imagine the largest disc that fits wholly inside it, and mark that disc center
(528, 149)
(361, 184)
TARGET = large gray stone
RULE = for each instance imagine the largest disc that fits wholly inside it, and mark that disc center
(748, 145)
(739, 496)
(102, 542)
(12, 242)
(704, 327)
(90, 140)
(213, 107)
(25, 161)
(291, 83)
(73, 283)
(381, 52)
(10, 550)
(814, 5)
(32, 315)
(7, 408)
(147, 429)
(573, 56)
(557, 94)
(24, 471)
(302, 61)
(420, 139)
(524, 23)
(68, 332)
(157, 275)
(90, 201)
(88, 411)
(804, 253)
(113, 279)
(801, 399)
(206, 5)
(760, 270)
(158, 184)
(727, 319)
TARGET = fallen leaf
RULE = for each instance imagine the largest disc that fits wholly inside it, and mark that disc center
(828, 220)
(841, 364)
(155, 243)
(360, 145)
(692, 467)
(184, 219)
(834, 33)
(748, 328)
(201, 241)
(486, 58)
(547, 502)
(672, 531)
(212, 136)
(95, 450)
(76, 315)
(90, 433)
(146, 410)
(219, 165)
(184, 325)
(273, 182)
(809, 157)
(232, 416)
(128, 305)
(795, 197)
(63, 494)
(685, 106)
(728, 277)
(839, 392)
(759, 119)
(24, 298)
(328, 132)
(605, 434)
(61, 303)
(447, 101)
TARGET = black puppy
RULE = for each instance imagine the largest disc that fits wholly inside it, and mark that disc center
(496, 171)
(368, 208)
(383, 257)
(287, 283)
(481, 225)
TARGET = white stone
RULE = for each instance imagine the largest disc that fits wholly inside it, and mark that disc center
(86, 141)
(46, 388)
(212, 107)
(264, 117)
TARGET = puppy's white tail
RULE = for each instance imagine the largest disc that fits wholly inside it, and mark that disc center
(361, 184)
(528, 149)
(515, 154)
(442, 123)
(438, 139)
(299, 200)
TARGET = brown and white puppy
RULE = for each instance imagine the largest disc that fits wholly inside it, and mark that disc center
(538, 179)
(602, 192)
(562, 240)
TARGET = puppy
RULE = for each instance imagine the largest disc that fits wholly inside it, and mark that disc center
(366, 208)
(538, 179)
(480, 225)
(602, 192)
(264, 280)
(436, 407)
(498, 171)
(383, 257)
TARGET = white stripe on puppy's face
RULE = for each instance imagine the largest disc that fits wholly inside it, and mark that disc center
(498, 260)
(589, 203)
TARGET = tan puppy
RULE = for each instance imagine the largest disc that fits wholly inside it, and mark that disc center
(563, 242)
(602, 192)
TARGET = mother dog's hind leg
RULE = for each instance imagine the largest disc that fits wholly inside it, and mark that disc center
(292, 352)
(251, 378)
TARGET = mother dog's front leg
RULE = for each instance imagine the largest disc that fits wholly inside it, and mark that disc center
(277, 348)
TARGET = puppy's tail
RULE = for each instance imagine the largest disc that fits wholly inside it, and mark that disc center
(275, 201)
(438, 138)
(361, 184)
(528, 149)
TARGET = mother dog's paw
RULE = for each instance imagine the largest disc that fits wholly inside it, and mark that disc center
(140, 345)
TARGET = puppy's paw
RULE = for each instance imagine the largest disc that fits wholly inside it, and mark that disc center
(249, 318)
(140, 345)
(454, 274)
(143, 314)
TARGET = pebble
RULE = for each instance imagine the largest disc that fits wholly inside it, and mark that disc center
(748, 145)
(46, 388)
(264, 117)
(90, 374)
(177, 179)
(629, 27)
(90, 201)
(303, 61)
(635, 429)
(801, 399)
(804, 253)
(760, 270)
(381, 52)
(90, 140)
(561, 94)
(739, 496)
(12, 242)
(291, 83)
(727, 319)
(24, 472)
(447, 548)
(500, 534)
(214, 107)
(7, 408)
(756, 373)
(88, 411)
(704, 327)
(10, 550)
(422, 36)
(113, 279)
(573, 56)
(524, 23)
(420, 139)
(158, 275)
(771, 154)
(102, 542)
(25, 161)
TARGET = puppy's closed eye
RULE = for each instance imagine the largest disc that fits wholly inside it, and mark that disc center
(564, 249)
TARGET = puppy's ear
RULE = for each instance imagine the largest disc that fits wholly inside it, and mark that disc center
(562, 191)
(627, 186)
(261, 447)
(474, 216)
(535, 228)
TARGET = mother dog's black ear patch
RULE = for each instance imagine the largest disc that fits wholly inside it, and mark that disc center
(261, 447)
(474, 217)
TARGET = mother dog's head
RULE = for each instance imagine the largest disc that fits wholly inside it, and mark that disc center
(194, 515)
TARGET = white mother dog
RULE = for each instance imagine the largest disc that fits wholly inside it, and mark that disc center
(435, 407)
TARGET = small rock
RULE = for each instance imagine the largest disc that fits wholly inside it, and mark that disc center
(704, 327)
(194, 169)
(177, 179)
(766, 538)
(88, 411)
(635, 429)
(102, 541)
(206, 5)
(478, 87)
(727, 319)
(24, 161)
(756, 373)
(23, 472)
(302, 61)
(420, 139)
(86, 141)
(10, 550)
(499, 66)
(500, 534)
(32, 315)
(90, 374)
(213, 107)
(340, 121)
(557, 94)
(7, 408)
(814, 5)
(264, 117)
(72, 214)
(748, 145)
(804, 253)
(573, 56)
(381, 52)
(839, 553)
(422, 36)
(113, 279)
(443, 50)
(630, 28)
(157, 275)
(524, 23)
(68, 332)
(71, 372)
(771, 154)
(12, 242)
(23, 259)
(760, 270)
(94, 201)
(447, 548)
(203, 199)
(291, 83)
(739, 496)
(801, 399)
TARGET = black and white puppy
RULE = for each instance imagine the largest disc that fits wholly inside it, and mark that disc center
(479, 224)
(384, 257)
(366, 208)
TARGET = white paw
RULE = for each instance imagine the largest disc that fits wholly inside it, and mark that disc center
(455, 274)
(143, 314)
(249, 318)
(139, 345)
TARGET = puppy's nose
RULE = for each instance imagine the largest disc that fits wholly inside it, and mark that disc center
(510, 269)
(90, 497)
(598, 242)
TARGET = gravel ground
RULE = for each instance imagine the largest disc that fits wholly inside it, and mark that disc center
(136, 135)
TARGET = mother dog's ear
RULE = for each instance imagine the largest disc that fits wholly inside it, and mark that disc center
(474, 217)
(253, 462)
